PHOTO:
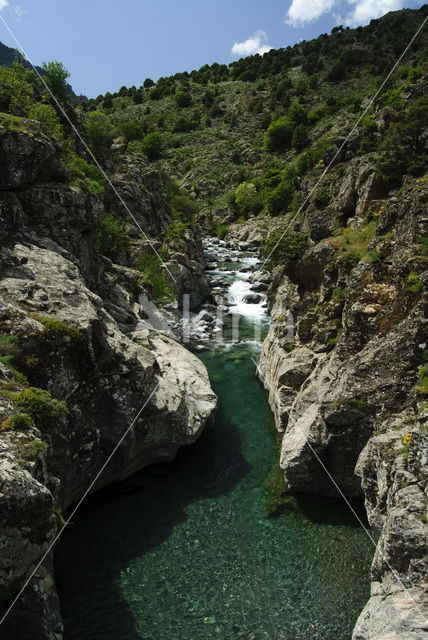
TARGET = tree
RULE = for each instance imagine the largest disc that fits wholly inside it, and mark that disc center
(279, 134)
(47, 115)
(152, 145)
(183, 98)
(99, 131)
(148, 82)
(55, 77)
(111, 236)
(300, 137)
(246, 196)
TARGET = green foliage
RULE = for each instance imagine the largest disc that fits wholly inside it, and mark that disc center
(221, 230)
(8, 349)
(21, 86)
(150, 266)
(56, 330)
(246, 197)
(353, 243)
(45, 410)
(148, 82)
(33, 450)
(404, 149)
(47, 115)
(132, 130)
(300, 137)
(339, 295)
(368, 139)
(321, 197)
(99, 131)
(185, 206)
(278, 200)
(336, 72)
(93, 186)
(279, 134)
(17, 422)
(350, 259)
(183, 98)
(414, 74)
(80, 169)
(422, 388)
(392, 98)
(284, 248)
(110, 237)
(414, 283)
(151, 146)
(56, 79)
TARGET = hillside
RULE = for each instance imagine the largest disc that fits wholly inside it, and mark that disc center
(213, 122)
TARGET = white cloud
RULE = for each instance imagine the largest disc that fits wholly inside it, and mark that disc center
(19, 12)
(3, 4)
(302, 11)
(358, 12)
(255, 44)
(366, 10)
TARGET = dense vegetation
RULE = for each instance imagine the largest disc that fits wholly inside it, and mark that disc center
(245, 138)
(268, 120)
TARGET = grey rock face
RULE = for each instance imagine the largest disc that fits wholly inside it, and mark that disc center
(341, 365)
(111, 358)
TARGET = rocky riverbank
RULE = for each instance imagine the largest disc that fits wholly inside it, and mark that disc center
(344, 384)
(84, 359)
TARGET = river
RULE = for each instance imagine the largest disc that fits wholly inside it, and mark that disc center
(209, 546)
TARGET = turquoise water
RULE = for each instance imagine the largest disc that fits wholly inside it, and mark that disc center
(191, 550)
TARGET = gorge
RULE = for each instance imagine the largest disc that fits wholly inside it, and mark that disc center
(229, 241)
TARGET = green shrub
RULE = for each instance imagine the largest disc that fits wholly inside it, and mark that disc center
(94, 187)
(278, 200)
(350, 259)
(21, 84)
(33, 450)
(56, 330)
(18, 422)
(183, 99)
(279, 134)
(221, 230)
(132, 130)
(47, 115)
(336, 72)
(81, 169)
(150, 266)
(110, 237)
(414, 283)
(99, 131)
(300, 137)
(339, 295)
(321, 196)
(392, 98)
(414, 74)
(151, 146)
(45, 410)
(246, 197)
(287, 247)
(422, 388)
(185, 206)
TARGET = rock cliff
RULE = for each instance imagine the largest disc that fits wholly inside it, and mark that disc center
(342, 365)
(82, 363)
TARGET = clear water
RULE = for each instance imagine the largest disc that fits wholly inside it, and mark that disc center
(191, 550)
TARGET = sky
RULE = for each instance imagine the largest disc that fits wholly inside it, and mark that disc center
(105, 44)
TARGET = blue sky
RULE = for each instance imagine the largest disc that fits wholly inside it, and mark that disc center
(106, 44)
